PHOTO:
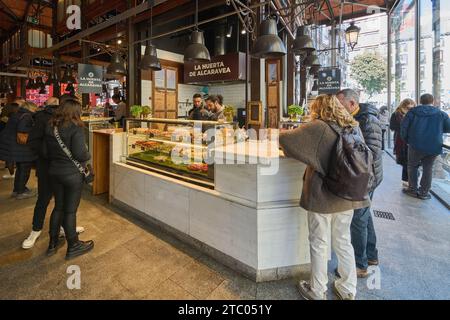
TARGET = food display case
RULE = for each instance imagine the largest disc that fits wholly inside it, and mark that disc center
(178, 148)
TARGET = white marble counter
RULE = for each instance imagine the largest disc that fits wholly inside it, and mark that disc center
(251, 221)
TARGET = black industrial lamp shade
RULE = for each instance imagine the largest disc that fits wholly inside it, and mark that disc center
(30, 84)
(150, 59)
(312, 60)
(68, 77)
(314, 70)
(196, 51)
(302, 43)
(117, 65)
(70, 88)
(39, 82)
(268, 44)
(352, 35)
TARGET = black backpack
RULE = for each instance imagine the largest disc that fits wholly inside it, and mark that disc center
(350, 173)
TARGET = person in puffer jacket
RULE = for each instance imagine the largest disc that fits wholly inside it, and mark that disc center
(363, 234)
(423, 129)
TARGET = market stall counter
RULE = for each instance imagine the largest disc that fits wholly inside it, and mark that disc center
(250, 220)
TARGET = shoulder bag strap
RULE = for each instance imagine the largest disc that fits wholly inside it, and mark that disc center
(67, 152)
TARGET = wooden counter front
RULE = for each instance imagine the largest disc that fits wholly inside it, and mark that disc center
(101, 159)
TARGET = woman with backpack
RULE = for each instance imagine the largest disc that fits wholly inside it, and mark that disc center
(14, 148)
(66, 149)
(400, 146)
(314, 144)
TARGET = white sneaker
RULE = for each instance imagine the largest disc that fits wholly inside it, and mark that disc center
(63, 234)
(8, 176)
(342, 296)
(305, 291)
(405, 184)
(28, 243)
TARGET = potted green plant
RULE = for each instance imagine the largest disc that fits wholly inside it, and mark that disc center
(136, 111)
(295, 111)
(146, 111)
(229, 113)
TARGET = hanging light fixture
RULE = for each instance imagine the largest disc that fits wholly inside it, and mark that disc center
(312, 60)
(49, 80)
(70, 88)
(352, 35)
(196, 51)
(268, 44)
(117, 65)
(68, 76)
(150, 59)
(303, 44)
(314, 70)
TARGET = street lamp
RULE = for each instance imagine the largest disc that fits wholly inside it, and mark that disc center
(352, 35)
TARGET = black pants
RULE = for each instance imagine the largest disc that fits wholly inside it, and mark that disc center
(45, 194)
(405, 172)
(415, 160)
(23, 170)
(67, 190)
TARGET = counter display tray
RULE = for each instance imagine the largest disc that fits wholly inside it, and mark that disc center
(146, 160)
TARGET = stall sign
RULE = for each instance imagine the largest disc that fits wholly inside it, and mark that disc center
(228, 67)
(90, 78)
(41, 62)
(329, 80)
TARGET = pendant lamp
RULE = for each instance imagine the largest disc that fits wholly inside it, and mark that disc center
(302, 43)
(196, 51)
(268, 44)
(117, 65)
(312, 60)
(150, 59)
(68, 77)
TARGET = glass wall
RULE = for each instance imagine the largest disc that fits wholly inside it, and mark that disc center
(403, 57)
(431, 73)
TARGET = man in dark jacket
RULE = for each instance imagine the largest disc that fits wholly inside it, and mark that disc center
(422, 129)
(363, 234)
(45, 193)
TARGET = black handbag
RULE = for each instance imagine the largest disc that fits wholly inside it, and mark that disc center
(86, 172)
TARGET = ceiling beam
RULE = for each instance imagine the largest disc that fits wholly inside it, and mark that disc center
(114, 20)
(8, 11)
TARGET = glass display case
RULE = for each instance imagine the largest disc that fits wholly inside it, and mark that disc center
(182, 149)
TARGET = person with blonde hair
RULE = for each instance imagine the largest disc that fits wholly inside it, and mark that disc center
(400, 146)
(313, 143)
(14, 143)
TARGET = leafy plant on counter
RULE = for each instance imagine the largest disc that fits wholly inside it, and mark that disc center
(146, 111)
(136, 111)
(229, 112)
(295, 110)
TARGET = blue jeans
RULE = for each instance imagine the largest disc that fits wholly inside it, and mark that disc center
(364, 239)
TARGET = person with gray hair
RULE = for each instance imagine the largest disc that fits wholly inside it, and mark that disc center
(362, 229)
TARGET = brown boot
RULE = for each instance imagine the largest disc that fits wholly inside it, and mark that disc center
(361, 273)
(372, 262)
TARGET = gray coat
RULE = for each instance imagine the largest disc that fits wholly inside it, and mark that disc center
(312, 144)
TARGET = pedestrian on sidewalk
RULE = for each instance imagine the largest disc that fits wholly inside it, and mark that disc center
(7, 111)
(14, 148)
(423, 129)
(400, 146)
(65, 146)
(313, 144)
(363, 233)
(45, 193)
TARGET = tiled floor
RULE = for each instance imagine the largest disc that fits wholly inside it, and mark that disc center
(135, 261)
